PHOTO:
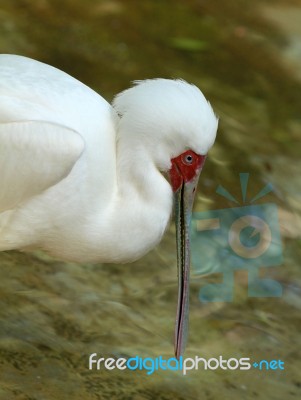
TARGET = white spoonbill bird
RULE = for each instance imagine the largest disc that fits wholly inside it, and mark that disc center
(82, 179)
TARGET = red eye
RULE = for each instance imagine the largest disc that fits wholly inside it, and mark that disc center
(185, 167)
(187, 159)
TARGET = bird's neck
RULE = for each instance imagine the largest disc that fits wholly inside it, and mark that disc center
(143, 202)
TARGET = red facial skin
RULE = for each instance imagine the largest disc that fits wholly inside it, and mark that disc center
(184, 168)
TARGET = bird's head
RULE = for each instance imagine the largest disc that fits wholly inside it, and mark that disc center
(168, 117)
(177, 125)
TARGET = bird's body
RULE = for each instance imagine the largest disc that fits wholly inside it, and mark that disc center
(82, 179)
(83, 217)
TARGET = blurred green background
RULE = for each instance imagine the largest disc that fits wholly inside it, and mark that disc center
(246, 57)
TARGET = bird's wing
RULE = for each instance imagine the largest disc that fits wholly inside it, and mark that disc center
(34, 155)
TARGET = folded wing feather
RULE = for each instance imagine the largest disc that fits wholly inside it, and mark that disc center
(34, 155)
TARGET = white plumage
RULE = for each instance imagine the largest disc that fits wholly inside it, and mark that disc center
(81, 179)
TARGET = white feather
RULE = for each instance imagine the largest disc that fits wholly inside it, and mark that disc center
(34, 155)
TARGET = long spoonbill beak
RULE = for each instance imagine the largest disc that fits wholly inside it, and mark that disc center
(184, 176)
